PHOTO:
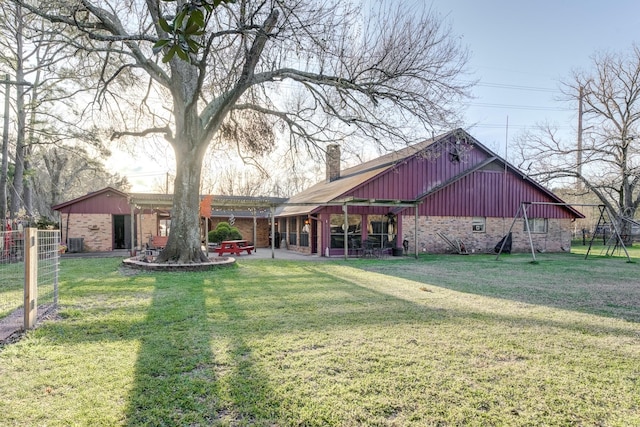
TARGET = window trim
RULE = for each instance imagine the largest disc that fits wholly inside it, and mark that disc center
(534, 225)
(337, 238)
(479, 224)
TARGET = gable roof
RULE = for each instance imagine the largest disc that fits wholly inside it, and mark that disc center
(325, 192)
(88, 196)
(333, 193)
(241, 206)
(222, 205)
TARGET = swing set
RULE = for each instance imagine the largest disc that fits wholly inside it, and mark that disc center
(614, 240)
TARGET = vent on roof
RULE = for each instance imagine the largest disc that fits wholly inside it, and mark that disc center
(333, 162)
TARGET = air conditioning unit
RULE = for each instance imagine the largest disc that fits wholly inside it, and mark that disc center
(75, 244)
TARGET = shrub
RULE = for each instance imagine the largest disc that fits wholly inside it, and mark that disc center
(234, 234)
(46, 224)
(224, 231)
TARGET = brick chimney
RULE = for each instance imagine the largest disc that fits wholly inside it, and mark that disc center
(333, 162)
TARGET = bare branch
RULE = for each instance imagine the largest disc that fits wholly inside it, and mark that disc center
(166, 131)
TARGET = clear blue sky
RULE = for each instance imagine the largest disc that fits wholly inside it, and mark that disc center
(532, 45)
(519, 53)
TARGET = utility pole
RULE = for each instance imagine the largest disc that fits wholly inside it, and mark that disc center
(5, 153)
(4, 171)
(579, 151)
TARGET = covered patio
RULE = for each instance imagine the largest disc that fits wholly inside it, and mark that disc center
(152, 216)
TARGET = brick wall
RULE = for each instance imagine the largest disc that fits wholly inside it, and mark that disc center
(245, 227)
(557, 238)
(333, 162)
(95, 229)
(146, 228)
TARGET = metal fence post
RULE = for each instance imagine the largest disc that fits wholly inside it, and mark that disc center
(30, 277)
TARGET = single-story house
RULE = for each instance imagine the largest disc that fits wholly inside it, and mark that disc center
(101, 221)
(448, 192)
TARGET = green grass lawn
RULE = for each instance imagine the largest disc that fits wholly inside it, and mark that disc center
(11, 287)
(443, 340)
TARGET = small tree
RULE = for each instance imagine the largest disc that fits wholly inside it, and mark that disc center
(224, 231)
(606, 161)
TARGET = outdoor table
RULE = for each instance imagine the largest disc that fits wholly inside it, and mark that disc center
(234, 247)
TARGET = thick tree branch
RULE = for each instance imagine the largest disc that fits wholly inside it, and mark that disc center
(165, 130)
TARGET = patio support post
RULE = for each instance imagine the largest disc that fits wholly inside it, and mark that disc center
(133, 230)
(206, 236)
(346, 231)
(255, 232)
(415, 230)
(273, 232)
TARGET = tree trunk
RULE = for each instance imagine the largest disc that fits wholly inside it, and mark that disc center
(18, 176)
(4, 169)
(183, 245)
(28, 184)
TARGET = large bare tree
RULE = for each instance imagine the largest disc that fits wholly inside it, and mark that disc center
(372, 73)
(62, 173)
(43, 105)
(605, 159)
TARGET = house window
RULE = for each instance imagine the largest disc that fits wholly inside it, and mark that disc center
(304, 233)
(537, 225)
(381, 230)
(478, 224)
(293, 231)
(354, 232)
(164, 227)
(283, 231)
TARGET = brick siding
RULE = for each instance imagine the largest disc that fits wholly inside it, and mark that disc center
(95, 229)
(557, 238)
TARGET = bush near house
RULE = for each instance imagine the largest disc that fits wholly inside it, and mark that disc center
(222, 232)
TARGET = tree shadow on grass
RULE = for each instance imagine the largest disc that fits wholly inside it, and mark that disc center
(601, 287)
(201, 353)
(178, 378)
(401, 310)
(175, 383)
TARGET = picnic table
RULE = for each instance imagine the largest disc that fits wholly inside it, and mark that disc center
(234, 247)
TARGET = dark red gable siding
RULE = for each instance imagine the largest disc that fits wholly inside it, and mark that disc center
(102, 203)
(489, 193)
(416, 176)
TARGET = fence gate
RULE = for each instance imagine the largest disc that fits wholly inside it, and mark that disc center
(29, 265)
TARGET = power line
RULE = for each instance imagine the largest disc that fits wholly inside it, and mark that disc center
(519, 107)
(139, 175)
(501, 126)
(517, 87)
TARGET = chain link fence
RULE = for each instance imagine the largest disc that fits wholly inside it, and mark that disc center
(14, 274)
